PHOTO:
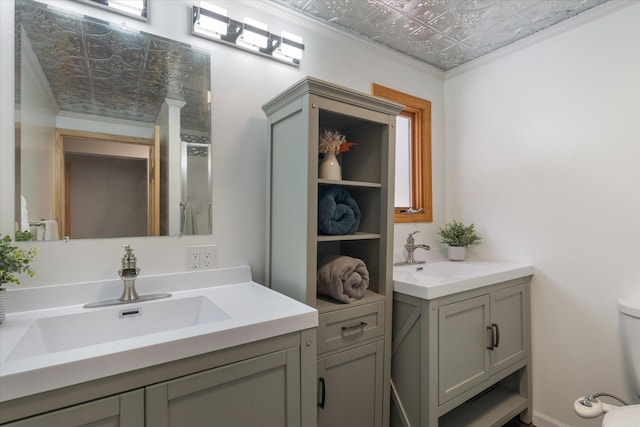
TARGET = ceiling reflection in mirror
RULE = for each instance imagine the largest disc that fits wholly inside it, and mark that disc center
(107, 83)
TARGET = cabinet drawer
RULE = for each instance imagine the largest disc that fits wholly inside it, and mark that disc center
(344, 327)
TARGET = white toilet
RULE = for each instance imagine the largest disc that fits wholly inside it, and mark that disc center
(620, 416)
(628, 416)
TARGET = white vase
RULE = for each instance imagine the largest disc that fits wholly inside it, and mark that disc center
(330, 168)
(3, 304)
(457, 253)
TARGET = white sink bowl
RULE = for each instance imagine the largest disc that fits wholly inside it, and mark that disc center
(441, 278)
(51, 341)
(446, 269)
(102, 325)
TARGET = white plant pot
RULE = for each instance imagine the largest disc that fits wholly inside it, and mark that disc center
(330, 168)
(457, 253)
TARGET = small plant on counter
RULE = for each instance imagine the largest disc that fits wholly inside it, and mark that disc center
(457, 234)
(14, 260)
(333, 142)
(24, 236)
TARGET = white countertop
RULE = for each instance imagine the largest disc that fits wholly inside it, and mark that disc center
(437, 279)
(253, 312)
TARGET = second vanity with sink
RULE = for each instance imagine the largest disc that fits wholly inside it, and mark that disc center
(218, 345)
(461, 344)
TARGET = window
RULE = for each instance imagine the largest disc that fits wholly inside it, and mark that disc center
(413, 200)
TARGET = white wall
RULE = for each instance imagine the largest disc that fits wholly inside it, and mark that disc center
(38, 136)
(241, 84)
(543, 155)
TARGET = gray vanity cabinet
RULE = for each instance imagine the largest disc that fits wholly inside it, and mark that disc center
(478, 337)
(263, 391)
(354, 340)
(350, 390)
(462, 360)
(263, 383)
(125, 410)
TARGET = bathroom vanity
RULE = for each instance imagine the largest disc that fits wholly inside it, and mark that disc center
(461, 344)
(231, 351)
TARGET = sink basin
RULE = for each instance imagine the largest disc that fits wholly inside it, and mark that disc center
(446, 269)
(442, 278)
(97, 326)
(50, 341)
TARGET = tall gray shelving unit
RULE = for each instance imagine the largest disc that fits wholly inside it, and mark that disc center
(354, 340)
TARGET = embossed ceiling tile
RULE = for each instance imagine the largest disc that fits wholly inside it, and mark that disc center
(133, 57)
(103, 61)
(338, 11)
(472, 27)
(445, 22)
(385, 20)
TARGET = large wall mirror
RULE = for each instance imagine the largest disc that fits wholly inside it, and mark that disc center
(413, 192)
(113, 129)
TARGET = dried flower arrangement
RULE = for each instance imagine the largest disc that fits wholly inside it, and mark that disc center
(333, 142)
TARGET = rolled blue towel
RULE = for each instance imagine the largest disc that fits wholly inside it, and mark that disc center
(338, 212)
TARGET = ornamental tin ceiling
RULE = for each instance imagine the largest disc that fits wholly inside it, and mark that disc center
(442, 33)
(99, 69)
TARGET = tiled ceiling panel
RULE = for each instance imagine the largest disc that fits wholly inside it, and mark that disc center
(442, 33)
(99, 69)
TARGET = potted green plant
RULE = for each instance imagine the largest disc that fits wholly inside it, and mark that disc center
(458, 237)
(13, 260)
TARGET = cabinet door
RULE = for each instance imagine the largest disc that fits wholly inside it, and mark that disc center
(125, 410)
(508, 320)
(463, 359)
(262, 391)
(350, 387)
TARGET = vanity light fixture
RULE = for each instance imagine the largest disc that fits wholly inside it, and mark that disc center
(290, 48)
(136, 9)
(211, 22)
(133, 7)
(254, 35)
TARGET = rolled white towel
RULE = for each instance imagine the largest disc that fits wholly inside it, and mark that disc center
(24, 214)
(51, 232)
(47, 230)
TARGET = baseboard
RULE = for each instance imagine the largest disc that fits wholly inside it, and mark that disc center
(541, 420)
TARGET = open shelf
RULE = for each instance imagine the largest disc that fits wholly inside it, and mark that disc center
(347, 183)
(338, 237)
(492, 409)
(325, 304)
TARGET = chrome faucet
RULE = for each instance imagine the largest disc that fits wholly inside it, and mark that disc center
(128, 273)
(411, 246)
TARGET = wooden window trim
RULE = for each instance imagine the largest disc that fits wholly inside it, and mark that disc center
(419, 110)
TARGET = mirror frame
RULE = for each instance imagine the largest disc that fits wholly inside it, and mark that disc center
(419, 111)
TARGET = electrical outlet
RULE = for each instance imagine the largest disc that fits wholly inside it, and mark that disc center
(193, 258)
(208, 256)
(201, 257)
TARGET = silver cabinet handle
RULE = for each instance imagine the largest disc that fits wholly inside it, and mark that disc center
(361, 325)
